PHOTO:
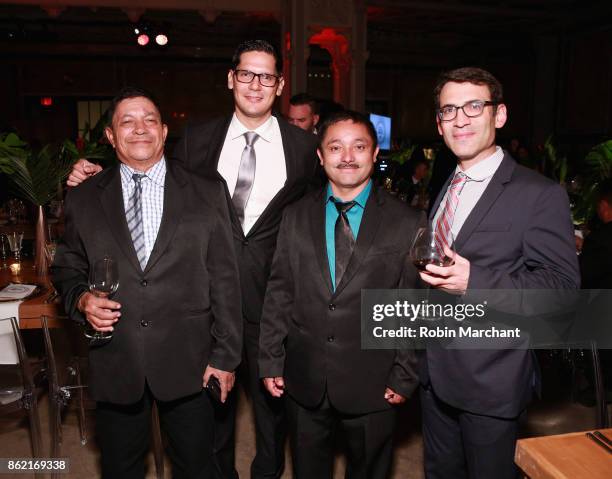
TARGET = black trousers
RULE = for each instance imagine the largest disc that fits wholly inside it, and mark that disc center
(369, 439)
(461, 445)
(270, 422)
(124, 434)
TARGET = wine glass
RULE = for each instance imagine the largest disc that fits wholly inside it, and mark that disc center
(14, 240)
(103, 282)
(3, 254)
(426, 249)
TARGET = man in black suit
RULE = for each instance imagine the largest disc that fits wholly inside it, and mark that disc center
(175, 318)
(332, 244)
(286, 163)
(512, 229)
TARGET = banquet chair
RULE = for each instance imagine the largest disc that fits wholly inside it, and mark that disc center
(23, 396)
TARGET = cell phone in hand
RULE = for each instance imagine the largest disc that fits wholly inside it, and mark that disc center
(214, 388)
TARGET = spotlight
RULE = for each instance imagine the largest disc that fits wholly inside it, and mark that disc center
(136, 31)
(161, 39)
(143, 39)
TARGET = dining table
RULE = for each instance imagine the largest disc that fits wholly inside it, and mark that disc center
(575, 455)
(43, 302)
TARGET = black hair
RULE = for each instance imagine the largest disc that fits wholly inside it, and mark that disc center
(474, 75)
(347, 115)
(305, 99)
(257, 46)
(126, 93)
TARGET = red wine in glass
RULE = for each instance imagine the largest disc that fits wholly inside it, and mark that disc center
(425, 250)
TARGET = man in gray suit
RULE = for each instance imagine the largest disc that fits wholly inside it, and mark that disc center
(512, 229)
(175, 318)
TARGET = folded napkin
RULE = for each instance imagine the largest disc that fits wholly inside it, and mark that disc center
(16, 291)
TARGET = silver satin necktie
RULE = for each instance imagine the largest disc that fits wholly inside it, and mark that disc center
(134, 220)
(246, 176)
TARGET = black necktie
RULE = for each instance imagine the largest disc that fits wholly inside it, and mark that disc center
(344, 239)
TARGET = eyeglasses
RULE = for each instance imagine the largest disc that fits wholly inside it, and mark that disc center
(265, 79)
(471, 109)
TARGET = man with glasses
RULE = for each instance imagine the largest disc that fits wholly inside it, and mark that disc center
(511, 229)
(265, 164)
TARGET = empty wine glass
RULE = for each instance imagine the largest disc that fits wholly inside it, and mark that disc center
(14, 240)
(103, 282)
(3, 253)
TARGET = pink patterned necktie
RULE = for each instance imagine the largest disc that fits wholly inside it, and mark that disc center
(445, 220)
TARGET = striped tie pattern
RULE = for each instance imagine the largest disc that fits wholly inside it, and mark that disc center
(134, 220)
(443, 236)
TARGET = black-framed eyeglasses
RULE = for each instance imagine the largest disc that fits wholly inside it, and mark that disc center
(265, 79)
(471, 109)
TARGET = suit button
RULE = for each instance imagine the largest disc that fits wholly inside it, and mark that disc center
(144, 324)
(245, 242)
(332, 307)
(143, 282)
(331, 339)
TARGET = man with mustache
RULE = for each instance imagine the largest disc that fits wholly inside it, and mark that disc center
(176, 315)
(265, 164)
(511, 229)
(333, 243)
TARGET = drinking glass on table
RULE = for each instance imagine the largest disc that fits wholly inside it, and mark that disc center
(103, 282)
(3, 253)
(15, 239)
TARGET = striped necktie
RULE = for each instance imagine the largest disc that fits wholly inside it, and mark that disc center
(443, 236)
(134, 220)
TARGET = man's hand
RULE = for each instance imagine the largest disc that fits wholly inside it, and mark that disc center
(101, 313)
(226, 380)
(393, 398)
(453, 279)
(275, 386)
(82, 170)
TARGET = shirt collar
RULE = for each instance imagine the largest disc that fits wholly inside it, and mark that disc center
(360, 199)
(266, 131)
(157, 173)
(486, 168)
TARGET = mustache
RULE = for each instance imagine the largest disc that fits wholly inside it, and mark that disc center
(347, 165)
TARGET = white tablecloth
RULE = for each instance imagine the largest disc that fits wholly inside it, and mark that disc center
(8, 349)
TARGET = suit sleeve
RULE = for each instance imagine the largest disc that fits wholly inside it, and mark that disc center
(277, 307)
(548, 250)
(70, 269)
(225, 295)
(403, 378)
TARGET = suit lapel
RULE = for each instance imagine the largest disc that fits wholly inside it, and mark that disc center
(171, 217)
(111, 201)
(484, 204)
(370, 223)
(291, 168)
(436, 205)
(317, 228)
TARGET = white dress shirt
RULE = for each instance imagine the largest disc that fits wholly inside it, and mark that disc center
(478, 178)
(270, 170)
(152, 199)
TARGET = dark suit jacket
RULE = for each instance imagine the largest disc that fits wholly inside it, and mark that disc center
(312, 336)
(518, 236)
(179, 314)
(596, 259)
(199, 151)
